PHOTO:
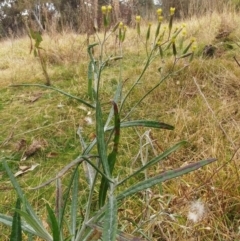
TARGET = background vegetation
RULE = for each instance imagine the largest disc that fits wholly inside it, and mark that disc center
(201, 102)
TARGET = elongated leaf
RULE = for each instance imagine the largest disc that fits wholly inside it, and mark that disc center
(163, 177)
(145, 123)
(155, 160)
(110, 220)
(28, 207)
(117, 97)
(59, 91)
(20, 193)
(90, 80)
(101, 144)
(7, 220)
(74, 205)
(53, 224)
(111, 157)
(16, 233)
(66, 199)
(40, 230)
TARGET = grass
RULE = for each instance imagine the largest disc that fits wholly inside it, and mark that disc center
(202, 103)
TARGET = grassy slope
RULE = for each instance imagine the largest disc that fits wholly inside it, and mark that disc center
(209, 121)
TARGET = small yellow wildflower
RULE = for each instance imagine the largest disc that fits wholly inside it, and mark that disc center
(104, 9)
(149, 24)
(159, 12)
(125, 28)
(138, 19)
(172, 11)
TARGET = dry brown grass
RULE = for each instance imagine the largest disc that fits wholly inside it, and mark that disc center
(202, 103)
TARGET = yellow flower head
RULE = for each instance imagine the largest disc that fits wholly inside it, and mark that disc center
(160, 19)
(149, 24)
(184, 32)
(172, 11)
(109, 8)
(125, 28)
(104, 9)
(173, 40)
(138, 19)
(159, 12)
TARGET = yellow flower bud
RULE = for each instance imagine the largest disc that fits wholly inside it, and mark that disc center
(138, 19)
(160, 18)
(159, 12)
(172, 11)
(173, 40)
(109, 8)
(194, 47)
(192, 39)
(184, 32)
(125, 28)
(149, 24)
(184, 25)
(104, 9)
(121, 25)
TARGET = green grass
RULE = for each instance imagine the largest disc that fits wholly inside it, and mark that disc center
(209, 120)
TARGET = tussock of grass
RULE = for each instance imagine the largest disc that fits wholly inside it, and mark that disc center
(205, 112)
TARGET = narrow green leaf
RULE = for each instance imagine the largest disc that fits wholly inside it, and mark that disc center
(7, 220)
(144, 123)
(148, 32)
(184, 56)
(101, 144)
(170, 25)
(53, 224)
(110, 220)
(111, 157)
(156, 160)
(174, 49)
(138, 29)
(66, 199)
(40, 230)
(187, 48)
(157, 30)
(31, 214)
(16, 233)
(60, 91)
(74, 205)
(90, 79)
(162, 177)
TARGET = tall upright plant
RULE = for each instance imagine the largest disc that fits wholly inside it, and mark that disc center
(102, 223)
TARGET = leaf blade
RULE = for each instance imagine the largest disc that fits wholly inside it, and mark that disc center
(163, 177)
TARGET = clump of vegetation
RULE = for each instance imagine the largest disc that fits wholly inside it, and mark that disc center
(99, 157)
